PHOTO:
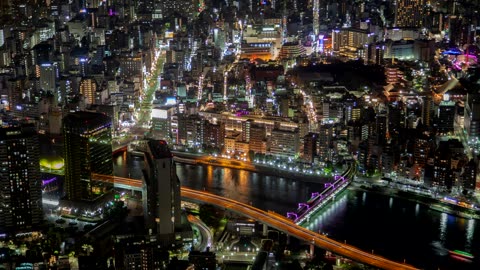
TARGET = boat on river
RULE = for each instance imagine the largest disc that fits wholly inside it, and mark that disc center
(461, 255)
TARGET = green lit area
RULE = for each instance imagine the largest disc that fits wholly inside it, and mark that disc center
(462, 253)
(52, 163)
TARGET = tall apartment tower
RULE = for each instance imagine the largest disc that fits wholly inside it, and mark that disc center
(20, 183)
(48, 77)
(316, 15)
(161, 202)
(409, 13)
(472, 116)
(427, 110)
(87, 150)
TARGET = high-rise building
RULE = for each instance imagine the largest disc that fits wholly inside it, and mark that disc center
(326, 135)
(189, 130)
(246, 125)
(214, 134)
(48, 77)
(472, 115)
(161, 202)
(258, 138)
(138, 252)
(469, 177)
(162, 121)
(284, 143)
(20, 183)
(316, 15)
(381, 128)
(427, 110)
(422, 147)
(87, 150)
(442, 174)
(387, 158)
(88, 88)
(409, 13)
(446, 116)
(310, 147)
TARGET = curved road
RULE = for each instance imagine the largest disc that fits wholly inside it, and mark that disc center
(288, 226)
(273, 220)
(205, 232)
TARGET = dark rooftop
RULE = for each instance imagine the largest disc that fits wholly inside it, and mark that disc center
(17, 131)
(86, 119)
(159, 149)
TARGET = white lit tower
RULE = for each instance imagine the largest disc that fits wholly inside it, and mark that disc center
(316, 14)
(225, 85)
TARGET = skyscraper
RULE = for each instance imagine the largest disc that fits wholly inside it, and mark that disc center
(87, 150)
(446, 116)
(472, 116)
(161, 202)
(409, 13)
(20, 183)
(48, 77)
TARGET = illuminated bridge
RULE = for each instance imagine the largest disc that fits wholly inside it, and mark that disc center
(273, 220)
(320, 199)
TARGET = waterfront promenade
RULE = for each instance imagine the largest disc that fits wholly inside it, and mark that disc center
(434, 201)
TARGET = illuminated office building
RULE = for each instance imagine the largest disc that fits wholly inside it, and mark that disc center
(48, 77)
(20, 183)
(87, 150)
(409, 13)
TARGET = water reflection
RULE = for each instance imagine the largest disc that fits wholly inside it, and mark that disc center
(333, 212)
(469, 234)
(404, 230)
(443, 227)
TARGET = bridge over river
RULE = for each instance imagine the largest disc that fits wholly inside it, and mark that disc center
(271, 219)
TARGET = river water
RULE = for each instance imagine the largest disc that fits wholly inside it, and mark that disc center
(395, 228)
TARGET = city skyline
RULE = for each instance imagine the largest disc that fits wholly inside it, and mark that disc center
(384, 94)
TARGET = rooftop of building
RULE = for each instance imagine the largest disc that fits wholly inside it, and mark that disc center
(86, 119)
(159, 149)
(17, 131)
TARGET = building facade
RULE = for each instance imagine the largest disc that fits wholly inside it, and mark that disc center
(20, 183)
(161, 194)
(87, 150)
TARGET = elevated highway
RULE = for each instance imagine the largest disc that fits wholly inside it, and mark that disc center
(273, 220)
(286, 225)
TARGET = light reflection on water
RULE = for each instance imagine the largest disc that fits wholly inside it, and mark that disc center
(443, 227)
(469, 234)
(370, 221)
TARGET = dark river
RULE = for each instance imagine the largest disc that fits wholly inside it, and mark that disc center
(392, 227)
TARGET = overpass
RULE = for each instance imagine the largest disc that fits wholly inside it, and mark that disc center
(119, 182)
(273, 220)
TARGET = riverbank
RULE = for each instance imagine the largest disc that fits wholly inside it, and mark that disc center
(194, 159)
(432, 203)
